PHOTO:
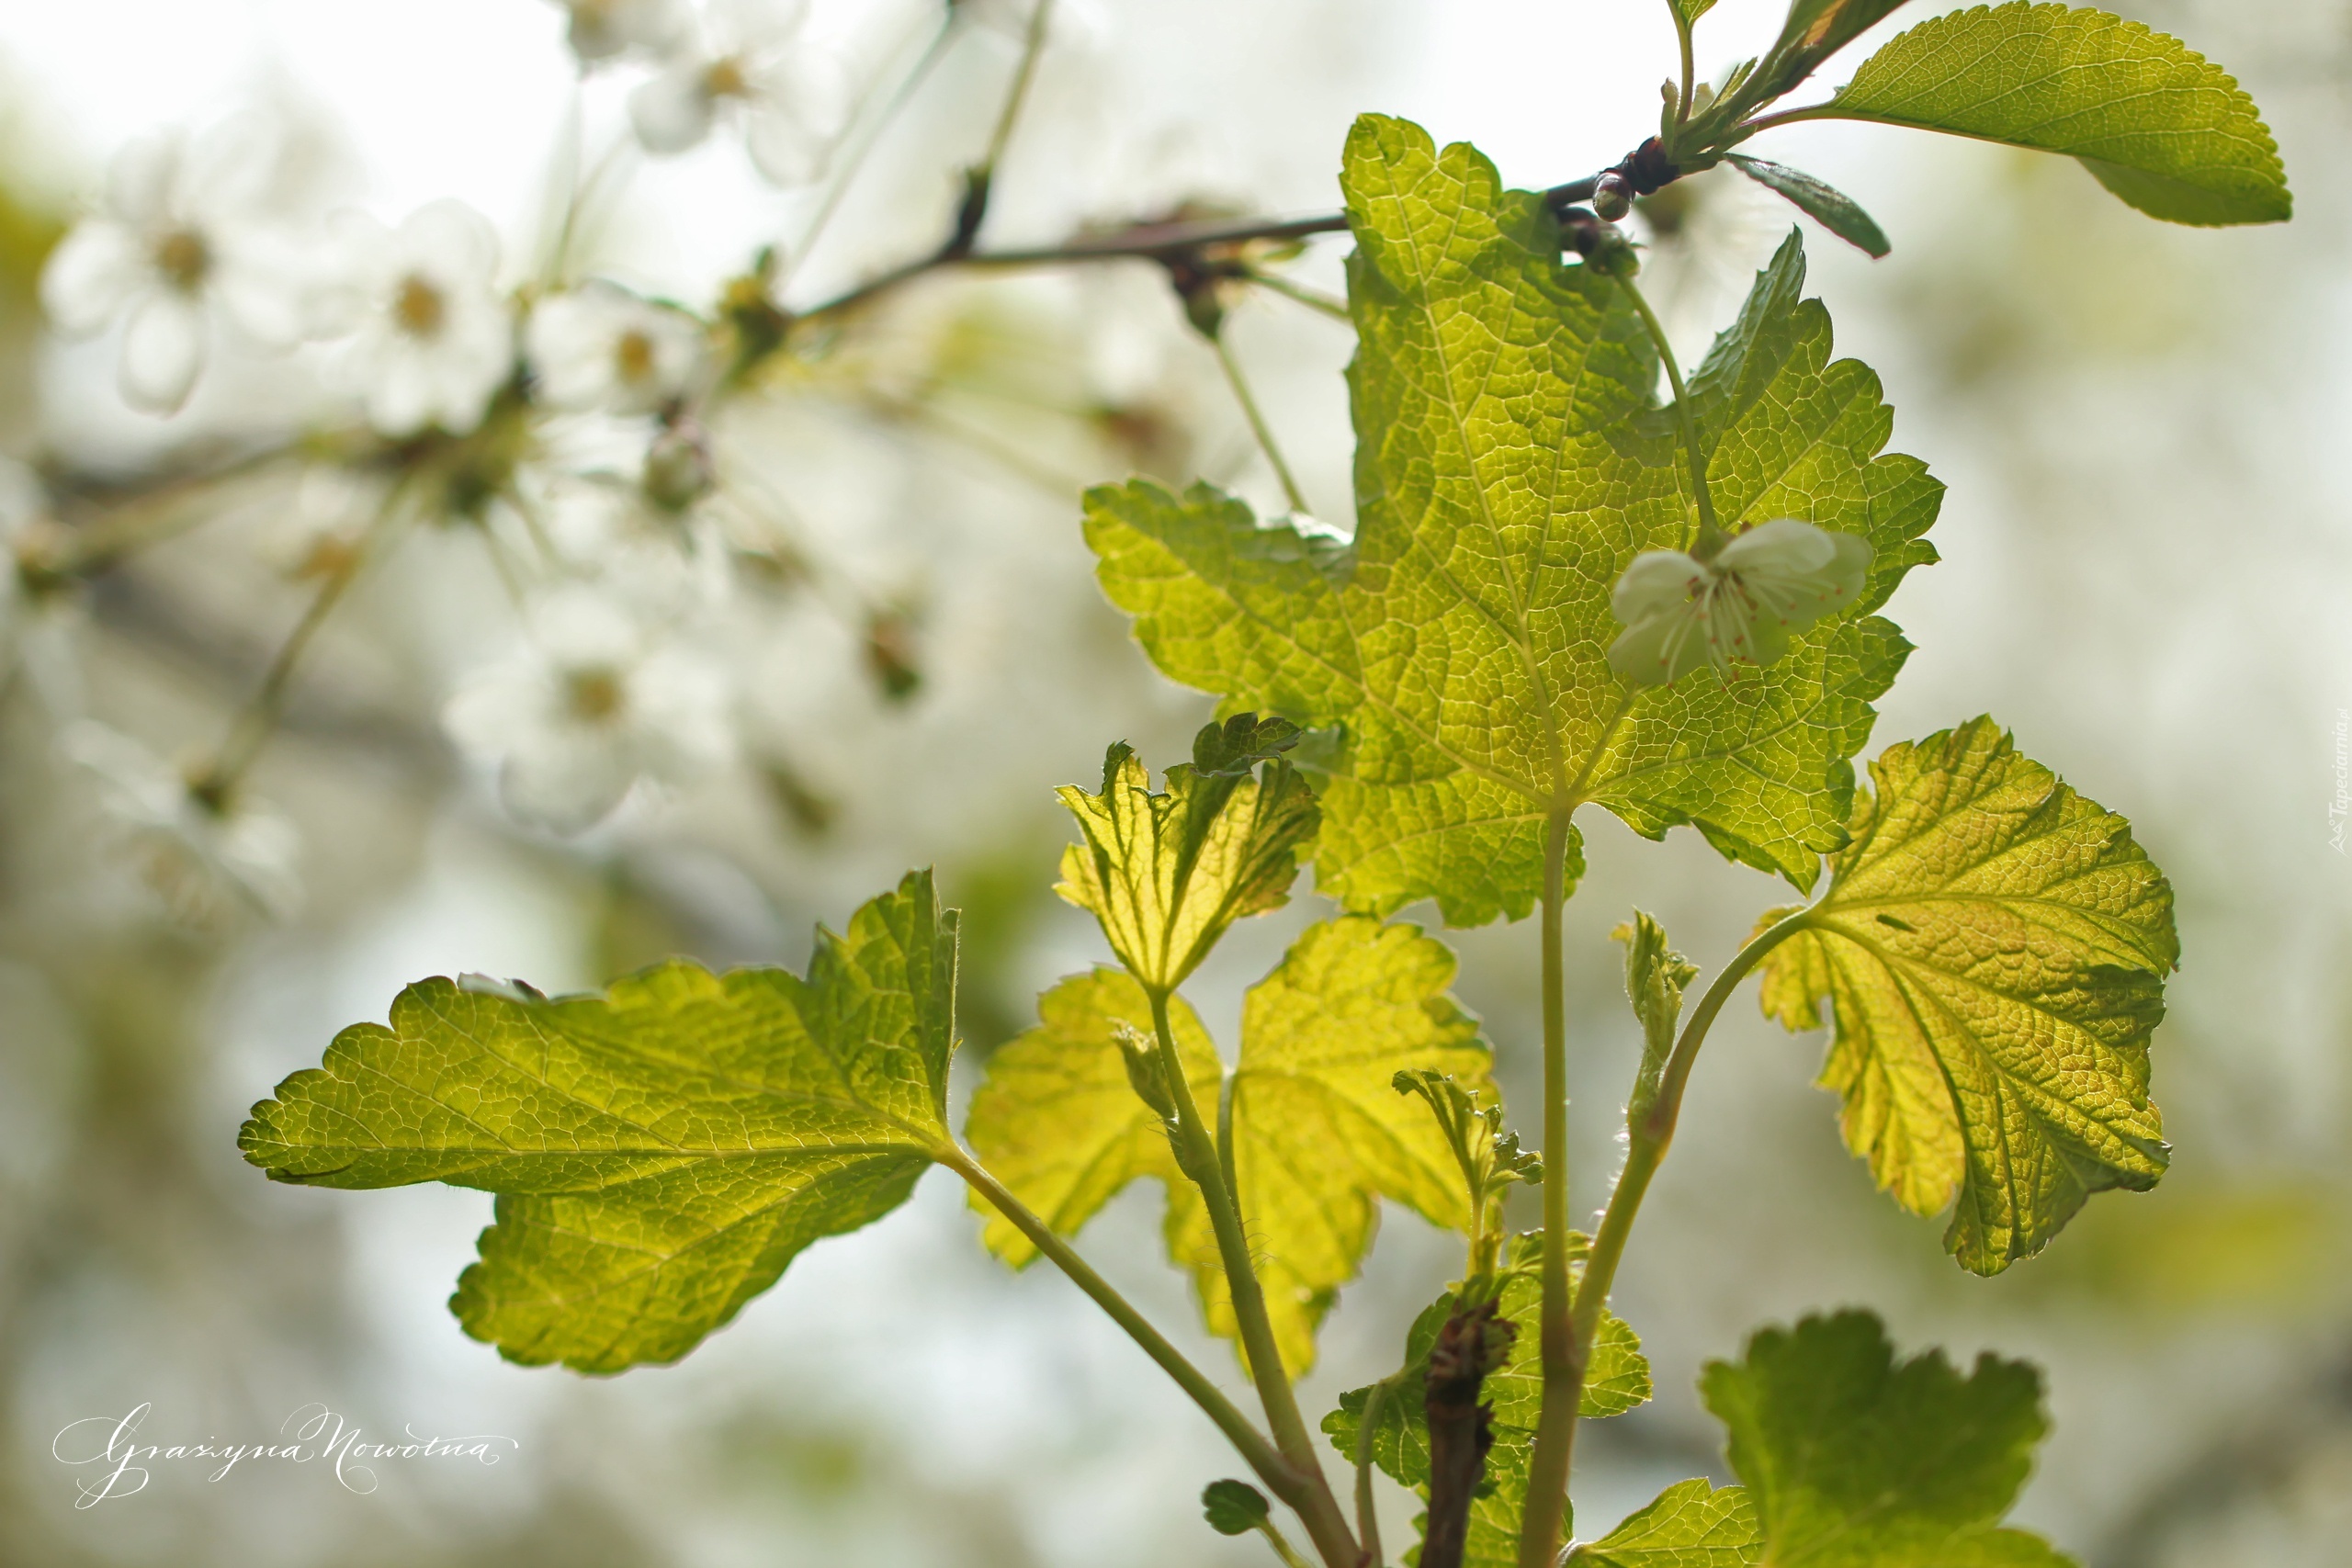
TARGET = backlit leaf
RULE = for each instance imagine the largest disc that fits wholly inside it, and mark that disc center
(1511, 461)
(1817, 200)
(660, 1152)
(1319, 1133)
(1692, 1524)
(2154, 121)
(1994, 947)
(1853, 1461)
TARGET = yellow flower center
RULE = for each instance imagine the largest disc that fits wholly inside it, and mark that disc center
(183, 258)
(418, 308)
(595, 694)
(633, 357)
(726, 79)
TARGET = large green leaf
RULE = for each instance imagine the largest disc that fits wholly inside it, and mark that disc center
(659, 1152)
(1692, 1524)
(1511, 461)
(1854, 1461)
(2154, 121)
(1319, 1134)
(1995, 947)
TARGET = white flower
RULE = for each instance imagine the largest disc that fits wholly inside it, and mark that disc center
(589, 707)
(749, 61)
(430, 337)
(601, 347)
(1680, 612)
(181, 233)
(191, 851)
(606, 30)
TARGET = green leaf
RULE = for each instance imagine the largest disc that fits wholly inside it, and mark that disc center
(2154, 121)
(1691, 10)
(1692, 1524)
(1510, 463)
(1822, 202)
(1233, 1508)
(1166, 873)
(660, 1152)
(1059, 1122)
(1319, 1134)
(1994, 946)
(1855, 1461)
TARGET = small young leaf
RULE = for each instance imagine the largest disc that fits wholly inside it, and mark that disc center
(1510, 464)
(1233, 1508)
(660, 1152)
(1691, 10)
(1656, 977)
(1166, 873)
(1692, 1524)
(2154, 121)
(1319, 1133)
(1814, 31)
(1853, 1462)
(1994, 946)
(1822, 202)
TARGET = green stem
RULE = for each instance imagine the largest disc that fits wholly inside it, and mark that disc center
(1711, 535)
(1547, 1471)
(253, 724)
(1689, 66)
(855, 160)
(1282, 1548)
(1650, 1134)
(1367, 1431)
(1198, 1155)
(1258, 424)
(1032, 46)
(1271, 1468)
(1313, 299)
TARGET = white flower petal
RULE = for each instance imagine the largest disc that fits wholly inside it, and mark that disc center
(566, 783)
(673, 112)
(787, 154)
(1656, 580)
(163, 348)
(754, 24)
(452, 243)
(93, 275)
(1783, 545)
(140, 179)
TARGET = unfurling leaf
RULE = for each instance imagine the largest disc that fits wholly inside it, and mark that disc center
(2153, 121)
(1691, 10)
(1489, 1157)
(1512, 462)
(1233, 1508)
(1814, 31)
(1993, 946)
(660, 1152)
(1692, 1524)
(1319, 1134)
(1854, 1461)
(1822, 202)
(1616, 1380)
(1656, 977)
(1166, 873)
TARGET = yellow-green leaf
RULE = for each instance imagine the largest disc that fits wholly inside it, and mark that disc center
(1692, 1524)
(1166, 873)
(1319, 1134)
(2154, 121)
(1057, 1121)
(1993, 946)
(660, 1152)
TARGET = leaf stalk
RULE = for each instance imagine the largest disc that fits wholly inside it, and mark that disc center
(1711, 537)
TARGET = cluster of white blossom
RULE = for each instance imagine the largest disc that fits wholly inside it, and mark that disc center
(571, 406)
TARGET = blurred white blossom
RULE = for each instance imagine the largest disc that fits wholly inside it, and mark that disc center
(601, 347)
(595, 701)
(430, 337)
(607, 29)
(1778, 577)
(183, 231)
(748, 60)
(196, 854)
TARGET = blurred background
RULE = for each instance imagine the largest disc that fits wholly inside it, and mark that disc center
(862, 584)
